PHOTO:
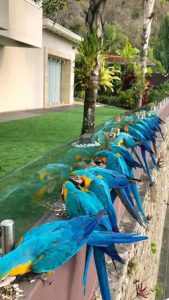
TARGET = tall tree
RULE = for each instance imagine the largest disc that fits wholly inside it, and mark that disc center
(147, 22)
(94, 23)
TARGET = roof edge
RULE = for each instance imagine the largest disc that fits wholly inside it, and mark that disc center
(60, 30)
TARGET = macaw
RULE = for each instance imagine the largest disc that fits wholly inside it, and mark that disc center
(126, 140)
(42, 250)
(145, 146)
(118, 164)
(99, 188)
(149, 138)
(150, 131)
(125, 153)
(130, 163)
(112, 178)
(154, 123)
(78, 202)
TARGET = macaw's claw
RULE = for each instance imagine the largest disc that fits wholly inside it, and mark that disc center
(44, 278)
(160, 162)
(151, 184)
(149, 217)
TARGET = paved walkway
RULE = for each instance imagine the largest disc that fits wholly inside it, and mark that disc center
(25, 114)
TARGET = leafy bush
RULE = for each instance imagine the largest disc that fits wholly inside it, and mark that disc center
(159, 92)
(124, 99)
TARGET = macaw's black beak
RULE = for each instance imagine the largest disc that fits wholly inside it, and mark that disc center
(98, 161)
(77, 181)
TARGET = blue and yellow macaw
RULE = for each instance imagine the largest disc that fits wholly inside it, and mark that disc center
(99, 188)
(125, 153)
(78, 202)
(126, 140)
(144, 145)
(47, 247)
(118, 164)
(154, 121)
(130, 164)
(149, 138)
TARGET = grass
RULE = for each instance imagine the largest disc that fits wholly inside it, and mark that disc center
(22, 141)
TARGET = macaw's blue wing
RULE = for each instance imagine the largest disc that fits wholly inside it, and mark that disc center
(112, 178)
(140, 138)
(125, 153)
(62, 245)
(45, 252)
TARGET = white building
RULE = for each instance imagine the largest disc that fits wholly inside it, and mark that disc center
(36, 58)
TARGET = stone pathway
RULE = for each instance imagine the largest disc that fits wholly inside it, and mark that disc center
(18, 115)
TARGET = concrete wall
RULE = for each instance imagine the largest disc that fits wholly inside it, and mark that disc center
(25, 22)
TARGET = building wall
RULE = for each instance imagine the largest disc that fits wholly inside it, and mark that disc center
(24, 21)
(4, 16)
(65, 50)
(21, 78)
(24, 74)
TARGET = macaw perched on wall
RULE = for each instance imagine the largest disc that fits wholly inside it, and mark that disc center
(126, 140)
(154, 121)
(151, 132)
(118, 164)
(125, 153)
(43, 250)
(148, 137)
(130, 164)
(112, 178)
(96, 185)
(144, 145)
(78, 202)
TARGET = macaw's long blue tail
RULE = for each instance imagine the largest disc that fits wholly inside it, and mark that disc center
(107, 238)
(100, 263)
(89, 253)
(136, 195)
(139, 159)
(113, 219)
(112, 252)
(143, 152)
(129, 206)
(113, 195)
(154, 160)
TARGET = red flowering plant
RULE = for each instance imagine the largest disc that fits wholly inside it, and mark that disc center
(148, 88)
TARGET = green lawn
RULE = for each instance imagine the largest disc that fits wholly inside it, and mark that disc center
(22, 141)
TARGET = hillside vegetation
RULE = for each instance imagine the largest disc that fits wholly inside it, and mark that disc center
(125, 15)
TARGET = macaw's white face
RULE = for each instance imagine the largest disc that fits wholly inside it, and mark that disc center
(7, 280)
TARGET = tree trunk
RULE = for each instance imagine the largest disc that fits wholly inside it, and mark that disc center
(94, 21)
(148, 17)
(89, 110)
